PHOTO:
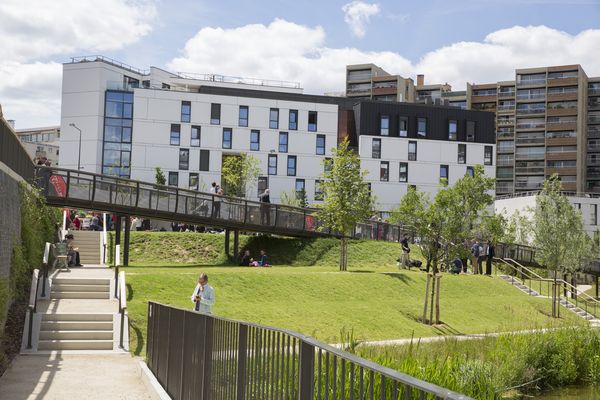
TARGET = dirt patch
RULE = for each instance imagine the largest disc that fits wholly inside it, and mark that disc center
(11, 337)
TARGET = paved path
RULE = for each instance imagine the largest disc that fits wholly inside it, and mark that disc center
(73, 377)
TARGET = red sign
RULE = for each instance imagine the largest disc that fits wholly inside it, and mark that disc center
(309, 223)
(60, 187)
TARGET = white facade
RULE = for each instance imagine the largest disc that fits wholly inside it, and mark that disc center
(41, 142)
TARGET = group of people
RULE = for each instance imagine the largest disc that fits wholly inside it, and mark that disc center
(248, 261)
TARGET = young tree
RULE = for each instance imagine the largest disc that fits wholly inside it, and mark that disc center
(294, 199)
(239, 173)
(409, 212)
(347, 199)
(159, 176)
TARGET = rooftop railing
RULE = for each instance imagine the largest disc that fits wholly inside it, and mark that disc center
(108, 60)
(239, 80)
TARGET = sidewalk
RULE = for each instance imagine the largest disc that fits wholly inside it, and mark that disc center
(73, 376)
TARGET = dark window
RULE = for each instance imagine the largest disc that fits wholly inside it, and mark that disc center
(443, 172)
(422, 126)
(204, 160)
(173, 178)
(376, 148)
(291, 166)
(412, 151)
(462, 153)
(263, 184)
(384, 125)
(227, 138)
(312, 121)
(318, 190)
(403, 127)
(272, 164)
(243, 116)
(487, 155)
(215, 114)
(300, 187)
(186, 110)
(470, 171)
(254, 140)
(116, 154)
(452, 129)
(293, 120)
(193, 181)
(184, 158)
(283, 142)
(175, 134)
(320, 145)
(384, 171)
(327, 164)
(195, 138)
(403, 172)
(412, 187)
(274, 118)
(369, 188)
(470, 131)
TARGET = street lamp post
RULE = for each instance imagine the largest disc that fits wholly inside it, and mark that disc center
(79, 157)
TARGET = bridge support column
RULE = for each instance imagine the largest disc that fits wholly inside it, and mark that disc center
(227, 235)
(126, 241)
(236, 244)
(597, 286)
(117, 236)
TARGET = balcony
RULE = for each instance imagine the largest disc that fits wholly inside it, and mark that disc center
(561, 171)
(529, 170)
(506, 121)
(561, 126)
(530, 111)
(593, 119)
(507, 94)
(592, 160)
(593, 148)
(528, 185)
(505, 149)
(562, 81)
(360, 91)
(562, 155)
(532, 82)
(505, 109)
(504, 188)
(557, 112)
(529, 156)
(593, 131)
(528, 125)
(505, 135)
(530, 141)
(562, 96)
(593, 91)
(505, 162)
(562, 141)
(531, 96)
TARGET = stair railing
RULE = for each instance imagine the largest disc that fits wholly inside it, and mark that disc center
(32, 306)
(122, 307)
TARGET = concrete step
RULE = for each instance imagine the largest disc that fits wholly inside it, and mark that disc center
(61, 287)
(76, 325)
(77, 335)
(77, 317)
(75, 344)
(79, 295)
(81, 281)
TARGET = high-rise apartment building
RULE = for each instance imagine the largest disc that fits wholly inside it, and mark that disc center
(547, 121)
(370, 82)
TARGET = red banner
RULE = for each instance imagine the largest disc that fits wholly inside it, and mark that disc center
(60, 187)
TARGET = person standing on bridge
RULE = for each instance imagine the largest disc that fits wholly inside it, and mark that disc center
(265, 208)
(203, 296)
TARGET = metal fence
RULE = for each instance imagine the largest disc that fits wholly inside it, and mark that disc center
(13, 154)
(200, 356)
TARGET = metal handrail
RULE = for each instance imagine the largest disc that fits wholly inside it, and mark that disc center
(122, 305)
(32, 306)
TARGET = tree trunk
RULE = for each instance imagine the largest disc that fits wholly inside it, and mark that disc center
(554, 288)
(344, 254)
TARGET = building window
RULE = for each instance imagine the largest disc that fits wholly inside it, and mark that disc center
(594, 219)
(186, 110)
(443, 173)
(470, 131)
(215, 114)
(403, 127)
(272, 164)
(320, 145)
(376, 148)
(403, 172)
(422, 127)
(184, 159)
(412, 187)
(175, 134)
(487, 155)
(204, 160)
(462, 153)
(173, 178)
(254, 140)
(300, 187)
(195, 138)
(227, 138)
(283, 142)
(274, 118)
(312, 121)
(470, 171)
(243, 116)
(412, 151)
(116, 153)
(193, 181)
(318, 190)
(384, 125)
(291, 166)
(293, 120)
(327, 164)
(384, 171)
(263, 184)
(452, 129)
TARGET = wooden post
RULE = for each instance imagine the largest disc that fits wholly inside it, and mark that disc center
(437, 299)
(433, 286)
(426, 298)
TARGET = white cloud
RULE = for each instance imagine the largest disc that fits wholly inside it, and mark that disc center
(357, 14)
(288, 51)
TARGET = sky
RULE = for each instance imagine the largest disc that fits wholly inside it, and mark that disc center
(310, 42)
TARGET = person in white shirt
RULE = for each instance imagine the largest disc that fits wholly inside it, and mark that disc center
(203, 296)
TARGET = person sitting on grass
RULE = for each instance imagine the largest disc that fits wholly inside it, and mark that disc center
(246, 259)
(263, 262)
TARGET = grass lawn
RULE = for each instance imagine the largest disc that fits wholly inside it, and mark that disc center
(375, 301)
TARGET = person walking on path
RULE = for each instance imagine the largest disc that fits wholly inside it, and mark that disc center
(475, 257)
(203, 296)
(405, 259)
(490, 254)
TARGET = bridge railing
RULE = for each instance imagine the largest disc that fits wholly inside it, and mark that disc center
(13, 153)
(200, 356)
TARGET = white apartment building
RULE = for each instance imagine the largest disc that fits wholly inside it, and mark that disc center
(41, 142)
(133, 121)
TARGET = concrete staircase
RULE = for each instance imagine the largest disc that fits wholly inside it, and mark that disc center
(88, 243)
(519, 285)
(76, 332)
(80, 288)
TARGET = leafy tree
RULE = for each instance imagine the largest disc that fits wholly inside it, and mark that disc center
(159, 176)
(410, 210)
(239, 173)
(347, 199)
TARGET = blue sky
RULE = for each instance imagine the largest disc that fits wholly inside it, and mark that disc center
(454, 41)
